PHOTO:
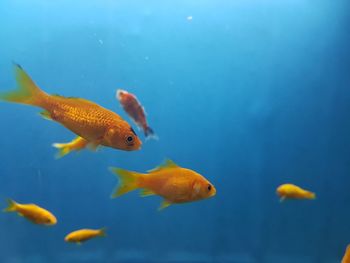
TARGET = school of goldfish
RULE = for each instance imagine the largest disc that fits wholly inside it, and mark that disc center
(95, 126)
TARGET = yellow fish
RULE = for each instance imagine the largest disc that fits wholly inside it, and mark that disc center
(77, 144)
(291, 191)
(346, 258)
(83, 235)
(32, 212)
(90, 121)
(175, 184)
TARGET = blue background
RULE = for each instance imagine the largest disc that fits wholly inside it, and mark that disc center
(249, 93)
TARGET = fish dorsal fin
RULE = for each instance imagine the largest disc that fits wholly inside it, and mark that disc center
(166, 164)
(76, 99)
(146, 192)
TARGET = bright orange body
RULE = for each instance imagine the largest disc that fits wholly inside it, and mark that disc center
(174, 183)
(83, 235)
(32, 212)
(90, 121)
(291, 191)
(346, 258)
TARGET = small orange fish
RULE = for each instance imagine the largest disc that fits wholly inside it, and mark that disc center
(175, 184)
(83, 235)
(136, 112)
(90, 121)
(291, 191)
(32, 212)
(77, 144)
(346, 258)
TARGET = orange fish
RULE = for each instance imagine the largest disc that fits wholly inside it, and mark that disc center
(76, 144)
(291, 191)
(346, 258)
(136, 112)
(90, 121)
(175, 184)
(83, 235)
(32, 212)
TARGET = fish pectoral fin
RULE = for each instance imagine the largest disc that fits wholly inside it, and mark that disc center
(93, 146)
(146, 192)
(46, 115)
(164, 205)
(282, 199)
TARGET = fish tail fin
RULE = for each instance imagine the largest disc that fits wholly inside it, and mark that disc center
(149, 133)
(128, 181)
(76, 144)
(102, 232)
(27, 93)
(63, 149)
(11, 206)
(312, 195)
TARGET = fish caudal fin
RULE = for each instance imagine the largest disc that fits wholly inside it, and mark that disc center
(27, 93)
(11, 206)
(128, 181)
(149, 133)
(102, 232)
(77, 144)
(312, 195)
(63, 149)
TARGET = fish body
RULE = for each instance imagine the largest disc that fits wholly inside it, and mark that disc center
(32, 212)
(83, 235)
(175, 184)
(136, 112)
(346, 258)
(291, 191)
(97, 125)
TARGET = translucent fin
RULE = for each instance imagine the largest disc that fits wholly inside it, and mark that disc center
(146, 192)
(149, 133)
(93, 146)
(46, 115)
(63, 149)
(102, 232)
(27, 93)
(76, 144)
(312, 195)
(128, 181)
(167, 164)
(164, 205)
(11, 206)
(282, 199)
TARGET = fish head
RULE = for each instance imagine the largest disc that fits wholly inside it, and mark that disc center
(202, 188)
(123, 137)
(121, 94)
(50, 220)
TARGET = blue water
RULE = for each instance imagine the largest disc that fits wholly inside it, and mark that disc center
(251, 94)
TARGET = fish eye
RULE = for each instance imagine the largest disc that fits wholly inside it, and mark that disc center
(209, 187)
(129, 139)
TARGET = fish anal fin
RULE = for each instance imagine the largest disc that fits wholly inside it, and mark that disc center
(166, 164)
(46, 115)
(164, 205)
(93, 146)
(146, 192)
